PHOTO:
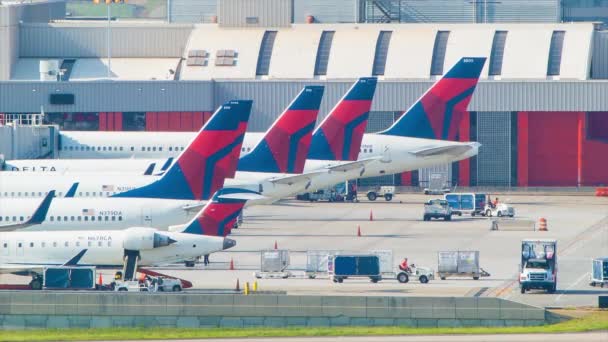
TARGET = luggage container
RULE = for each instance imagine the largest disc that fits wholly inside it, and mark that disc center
(466, 203)
(69, 278)
(459, 264)
(599, 272)
(316, 263)
(273, 264)
(354, 266)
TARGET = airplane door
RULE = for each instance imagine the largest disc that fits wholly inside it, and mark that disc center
(5, 248)
(386, 155)
(20, 248)
(146, 217)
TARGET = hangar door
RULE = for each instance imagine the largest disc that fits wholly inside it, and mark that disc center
(494, 158)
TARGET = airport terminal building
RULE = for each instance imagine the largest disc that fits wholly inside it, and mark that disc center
(540, 110)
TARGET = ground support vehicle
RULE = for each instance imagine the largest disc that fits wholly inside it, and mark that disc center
(423, 274)
(344, 266)
(599, 272)
(459, 264)
(466, 203)
(437, 208)
(538, 268)
(274, 264)
(130, 285)
(388, 192)
(500, 210)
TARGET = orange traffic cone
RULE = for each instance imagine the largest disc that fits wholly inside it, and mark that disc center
(358, 230)
(275, 245)
(100, 280)
(371, 215)
(231, 264)
(238, 287)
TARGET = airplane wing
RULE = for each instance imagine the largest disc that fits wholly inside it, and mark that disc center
(74, 261)
(450, 150)
(37, 218)
(295, 179)
(27, 268)
(194, 207)
(353, 165)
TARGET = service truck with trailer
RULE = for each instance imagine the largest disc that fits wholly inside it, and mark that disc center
(538, 268)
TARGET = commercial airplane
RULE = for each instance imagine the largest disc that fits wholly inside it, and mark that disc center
(210, 157)
(412, 142)
(274, 165)
(198, 172)
(28, 253)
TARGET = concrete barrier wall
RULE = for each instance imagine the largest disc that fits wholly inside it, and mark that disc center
(19, 310)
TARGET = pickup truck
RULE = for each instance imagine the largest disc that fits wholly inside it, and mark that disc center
(437, 208)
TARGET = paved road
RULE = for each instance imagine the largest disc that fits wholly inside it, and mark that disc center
(587, 337)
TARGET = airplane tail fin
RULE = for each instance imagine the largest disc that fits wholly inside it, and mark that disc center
(209, 159)
(339, 135)
(437, 113)
(219, 215)
(285, 145)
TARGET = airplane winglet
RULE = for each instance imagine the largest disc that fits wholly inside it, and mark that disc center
(167, 164)
(37, 218)
(74, 261)
(40, 214)
(150, 169)
(72, 191)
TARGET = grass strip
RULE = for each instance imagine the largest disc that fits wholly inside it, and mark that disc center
(594, 321)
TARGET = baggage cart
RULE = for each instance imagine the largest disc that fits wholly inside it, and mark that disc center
(273, 264)
(346, 266)
(68, 278)
(459, 264)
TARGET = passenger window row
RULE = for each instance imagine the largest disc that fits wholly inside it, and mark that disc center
(43, 244)
(63, 218)
(120, 148)
(84, 218)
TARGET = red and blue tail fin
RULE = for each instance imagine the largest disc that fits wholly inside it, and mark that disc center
(219, 215)
(286, 143)
(340, 134)
(210, 158)
(437, 114)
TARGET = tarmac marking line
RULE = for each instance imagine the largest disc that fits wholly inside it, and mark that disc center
(572, 285)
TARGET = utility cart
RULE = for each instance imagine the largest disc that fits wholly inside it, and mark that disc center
(460, 264)
(273, 264)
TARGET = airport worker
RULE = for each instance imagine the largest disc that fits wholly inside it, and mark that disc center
(206, 259)
(404, 266)
(495, 204)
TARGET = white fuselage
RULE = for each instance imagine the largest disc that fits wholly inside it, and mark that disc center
(394, 155)
(99, 213)
(23, 251)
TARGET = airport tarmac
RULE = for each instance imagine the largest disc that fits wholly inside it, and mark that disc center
(579, 223)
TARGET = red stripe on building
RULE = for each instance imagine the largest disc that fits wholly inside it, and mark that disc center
(406, 178)
(522, 149)
(118, 121)
(102, 121)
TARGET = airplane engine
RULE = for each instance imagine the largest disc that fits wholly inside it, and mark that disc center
(138, 239)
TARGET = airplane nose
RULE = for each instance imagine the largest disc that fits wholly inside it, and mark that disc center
(229, 243)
